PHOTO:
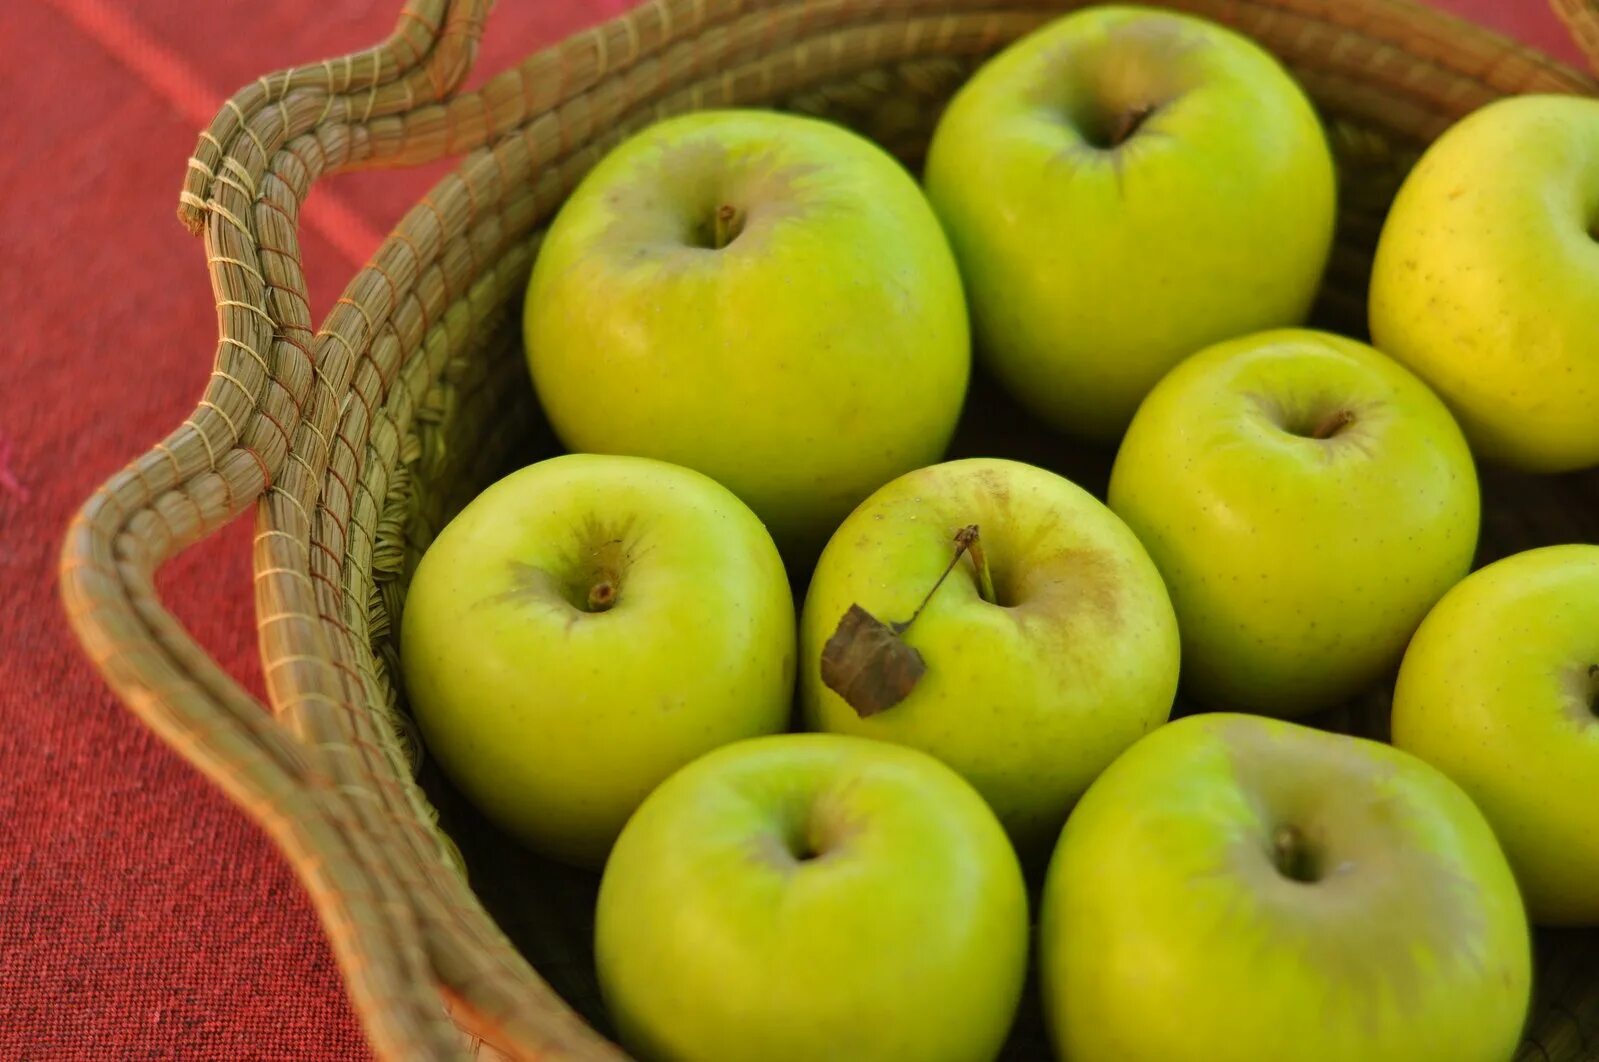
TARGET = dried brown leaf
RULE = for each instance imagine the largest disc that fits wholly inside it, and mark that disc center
(868, 664)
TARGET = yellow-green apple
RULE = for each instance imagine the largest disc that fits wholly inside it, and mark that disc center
(1235, 888)
(1500, 690)
(811, 896)
(762, 297)
(1307, 501)
(1123, 187)
(1031, 686)
(583, 628)
(1486, 282)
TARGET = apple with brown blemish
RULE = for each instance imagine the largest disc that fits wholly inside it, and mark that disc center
(1028, 667)
(765, 298)
(585, 627)
(1486, 280)
(1307, 500)
(1123, 187)
(1235, 888)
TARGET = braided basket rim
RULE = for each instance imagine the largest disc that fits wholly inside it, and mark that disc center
(314, 429)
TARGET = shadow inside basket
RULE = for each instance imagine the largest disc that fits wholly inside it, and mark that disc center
(547, 909)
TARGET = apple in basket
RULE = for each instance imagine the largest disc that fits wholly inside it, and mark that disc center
(1486, 282)
(811, 896)
(765, 298)
(1123, 187)
(1038, 638)
(1500, 690)
(1307, 501)
(1236, 889)
(583, 628)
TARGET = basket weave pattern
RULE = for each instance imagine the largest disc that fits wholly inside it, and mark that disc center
(354, 441)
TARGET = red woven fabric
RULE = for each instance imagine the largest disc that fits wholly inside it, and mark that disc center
(141, 915)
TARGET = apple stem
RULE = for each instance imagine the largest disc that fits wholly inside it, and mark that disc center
(602, 595)
(1292, 855)
(726, 227)
(985, 580)
(1128, 123)
(965, 539)
(1332, 424)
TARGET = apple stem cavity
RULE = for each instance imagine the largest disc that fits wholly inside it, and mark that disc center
(867, 662)
(1108, 131)
(800, 845)
(1293, 855)
(1332, 424)
(1593, 690)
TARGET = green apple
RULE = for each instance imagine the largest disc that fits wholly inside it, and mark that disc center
(1500, 690)
(1123, 187)
(1307, 501)
(1236, 888)
(810, 896)
(1030, 690)
(1486, 282)
(585, 627)
(765, 298)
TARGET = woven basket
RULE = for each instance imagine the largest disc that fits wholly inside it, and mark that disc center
(355, 441)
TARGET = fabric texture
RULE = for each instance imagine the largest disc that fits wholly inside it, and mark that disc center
(141, 915)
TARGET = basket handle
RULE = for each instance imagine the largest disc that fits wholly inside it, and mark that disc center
(1582, 19)
(261, 431)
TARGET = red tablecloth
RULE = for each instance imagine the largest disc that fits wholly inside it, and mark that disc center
(141, 916)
